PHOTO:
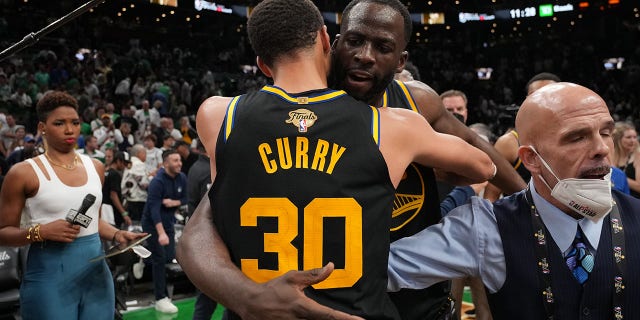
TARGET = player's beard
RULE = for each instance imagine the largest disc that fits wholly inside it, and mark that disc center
(372, 95)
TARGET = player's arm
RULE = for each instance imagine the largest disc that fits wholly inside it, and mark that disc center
(430, 105)
(208, 121)
(203, 255)
(205, 259)
(407, 137)
(507, 146)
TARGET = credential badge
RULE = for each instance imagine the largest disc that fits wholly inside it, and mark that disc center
(544, 266)
(302, 119)
(617, 254)
(615, 224)
(540, 237)
(548, 295)
(619, 285)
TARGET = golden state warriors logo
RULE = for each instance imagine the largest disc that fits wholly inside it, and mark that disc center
(410, 196)
(302, 119)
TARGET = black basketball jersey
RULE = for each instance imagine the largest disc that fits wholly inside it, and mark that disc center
(416, 207)
(416, 204)
(300, 183)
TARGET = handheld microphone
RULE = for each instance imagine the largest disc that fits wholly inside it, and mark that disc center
(79, 216)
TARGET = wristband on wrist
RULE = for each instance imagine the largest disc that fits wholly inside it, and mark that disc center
(125, 214)
(495, 171)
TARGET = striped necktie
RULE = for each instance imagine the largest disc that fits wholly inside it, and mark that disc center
(580, 260)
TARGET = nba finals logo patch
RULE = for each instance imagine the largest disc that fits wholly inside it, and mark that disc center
(302, 119)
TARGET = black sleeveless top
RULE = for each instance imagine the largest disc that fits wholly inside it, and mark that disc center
(416, 207)
(300, 183)
(517, 164)
(630, 171)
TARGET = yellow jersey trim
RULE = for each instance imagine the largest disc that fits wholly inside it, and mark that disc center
(375, 125)
(385, 99)
(299, 100)
(407, 95)
(518, 163)
(231, 110)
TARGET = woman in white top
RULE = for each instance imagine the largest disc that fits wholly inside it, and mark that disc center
(59, 281)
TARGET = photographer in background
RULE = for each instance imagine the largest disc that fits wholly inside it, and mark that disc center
(167, 193)
(135, 181)
(112, 190)
(91, 149)
(108, 136)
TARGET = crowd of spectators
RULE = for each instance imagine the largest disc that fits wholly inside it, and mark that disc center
(574, 54)
(134, 80)
(139, 86)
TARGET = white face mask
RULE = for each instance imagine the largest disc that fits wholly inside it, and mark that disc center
(590, 198)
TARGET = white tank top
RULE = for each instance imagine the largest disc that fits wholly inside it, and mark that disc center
(54, 199)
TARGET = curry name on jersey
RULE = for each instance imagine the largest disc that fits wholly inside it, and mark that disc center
(300, 183)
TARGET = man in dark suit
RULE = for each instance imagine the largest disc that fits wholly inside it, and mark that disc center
(565, 247)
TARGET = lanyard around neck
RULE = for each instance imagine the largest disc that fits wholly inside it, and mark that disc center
(542, 255)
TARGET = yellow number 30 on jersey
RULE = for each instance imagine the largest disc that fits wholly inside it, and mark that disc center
(280, 242)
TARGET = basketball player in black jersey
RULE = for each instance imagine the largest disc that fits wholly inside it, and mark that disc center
(305, 175)
(367, 54)
(416, 205)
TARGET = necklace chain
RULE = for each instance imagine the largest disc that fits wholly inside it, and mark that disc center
(62, 165)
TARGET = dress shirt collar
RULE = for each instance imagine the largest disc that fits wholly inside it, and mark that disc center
(562, 226)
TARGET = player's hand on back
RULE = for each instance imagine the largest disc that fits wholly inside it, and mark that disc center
(283, 298)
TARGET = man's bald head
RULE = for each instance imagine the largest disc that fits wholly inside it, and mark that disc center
(570, 127)
(546, 109)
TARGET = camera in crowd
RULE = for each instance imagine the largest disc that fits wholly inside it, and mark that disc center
(613, 63)
(506, 118)
(484, 73)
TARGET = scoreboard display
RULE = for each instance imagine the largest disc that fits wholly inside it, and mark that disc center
(541, 11)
